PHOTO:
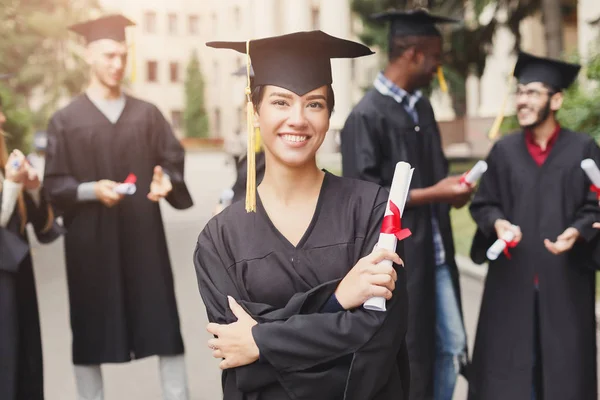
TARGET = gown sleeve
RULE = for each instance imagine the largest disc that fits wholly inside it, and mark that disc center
(171, 157)
(360, 146)
(587, 213)
(485, 207)
(59, 182)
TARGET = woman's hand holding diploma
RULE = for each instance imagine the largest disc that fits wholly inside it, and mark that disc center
(367, 279)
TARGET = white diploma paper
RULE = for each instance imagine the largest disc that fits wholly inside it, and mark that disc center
(476, 172)
(398, 194)
(125, 188)
(499, 245)
(592, 171)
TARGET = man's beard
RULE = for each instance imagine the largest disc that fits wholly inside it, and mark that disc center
(542, 116)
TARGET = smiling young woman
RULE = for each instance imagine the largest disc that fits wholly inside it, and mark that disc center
(284, 286)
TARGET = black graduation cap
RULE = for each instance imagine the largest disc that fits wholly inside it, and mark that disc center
(412, 22)
(108, 27)
(299, 61)
(557, 74)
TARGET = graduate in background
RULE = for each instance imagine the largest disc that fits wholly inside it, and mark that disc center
(536, 336)
(121, 292)
(299, 268)
(21, 202)
(394, 122)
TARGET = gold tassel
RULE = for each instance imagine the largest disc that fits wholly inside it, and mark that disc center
(251, 154)
(442, 80)
(257, 140)
(495, 130)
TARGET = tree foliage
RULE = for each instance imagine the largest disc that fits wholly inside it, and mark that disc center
(39, 51)
(195, 116)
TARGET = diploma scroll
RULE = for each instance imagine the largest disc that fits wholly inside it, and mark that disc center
(592, 171)
(475, 173)
(396, 202)
(499, 245)
(125, 188)
(128, 186)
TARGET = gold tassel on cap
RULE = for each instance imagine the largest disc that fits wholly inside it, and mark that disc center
(442, 80)
(495, 130)
(251, 154)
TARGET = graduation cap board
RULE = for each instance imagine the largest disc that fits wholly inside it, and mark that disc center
(299, 62)
(412, 22)
(559, 75)
(108, 27)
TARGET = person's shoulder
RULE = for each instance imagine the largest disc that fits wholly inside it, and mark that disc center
(357, 191)
(74, 107)
(232, 218)
(578, 137)
(369, 103)
(140, 104)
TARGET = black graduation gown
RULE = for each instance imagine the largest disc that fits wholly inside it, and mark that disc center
(378, 134)
(306, 354)
(21, 367)
(121, 291)
(543, 201)
(239, 187)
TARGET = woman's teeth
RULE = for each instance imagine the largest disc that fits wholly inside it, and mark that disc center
(294, 138)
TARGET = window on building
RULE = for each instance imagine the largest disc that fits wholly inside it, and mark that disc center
(237, 17)
(172, 23)
(193, 24)
(176, 119)
(217, 122)
(315, 15)
(152, 71)
(150, 22)
(174, 72)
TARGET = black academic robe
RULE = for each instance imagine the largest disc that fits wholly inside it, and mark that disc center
(543, 201)
(239, 187)
(306, 354)
(378, 134)
(121, 291)
(21, 367)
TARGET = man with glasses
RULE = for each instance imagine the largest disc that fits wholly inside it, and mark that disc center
(536, 336)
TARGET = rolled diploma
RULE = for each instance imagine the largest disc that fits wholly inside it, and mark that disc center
(398, 194)
(125, 188)
(499, 245)
(592, 171)
(476, 172)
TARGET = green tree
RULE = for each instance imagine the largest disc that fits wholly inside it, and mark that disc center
(18, 120)
(38, 49)
(195, 116)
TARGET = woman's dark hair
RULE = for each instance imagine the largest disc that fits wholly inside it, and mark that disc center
(259, 91)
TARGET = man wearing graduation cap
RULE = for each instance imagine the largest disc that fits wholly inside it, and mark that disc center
(393, 123)
(536, 336)
(121, 291)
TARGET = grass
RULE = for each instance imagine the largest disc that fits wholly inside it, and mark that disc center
(463, 229)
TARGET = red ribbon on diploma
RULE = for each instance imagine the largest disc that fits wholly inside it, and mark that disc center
(131, 178)
(509, 245)
(596, 190)
(392, 224)
(463, 179)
